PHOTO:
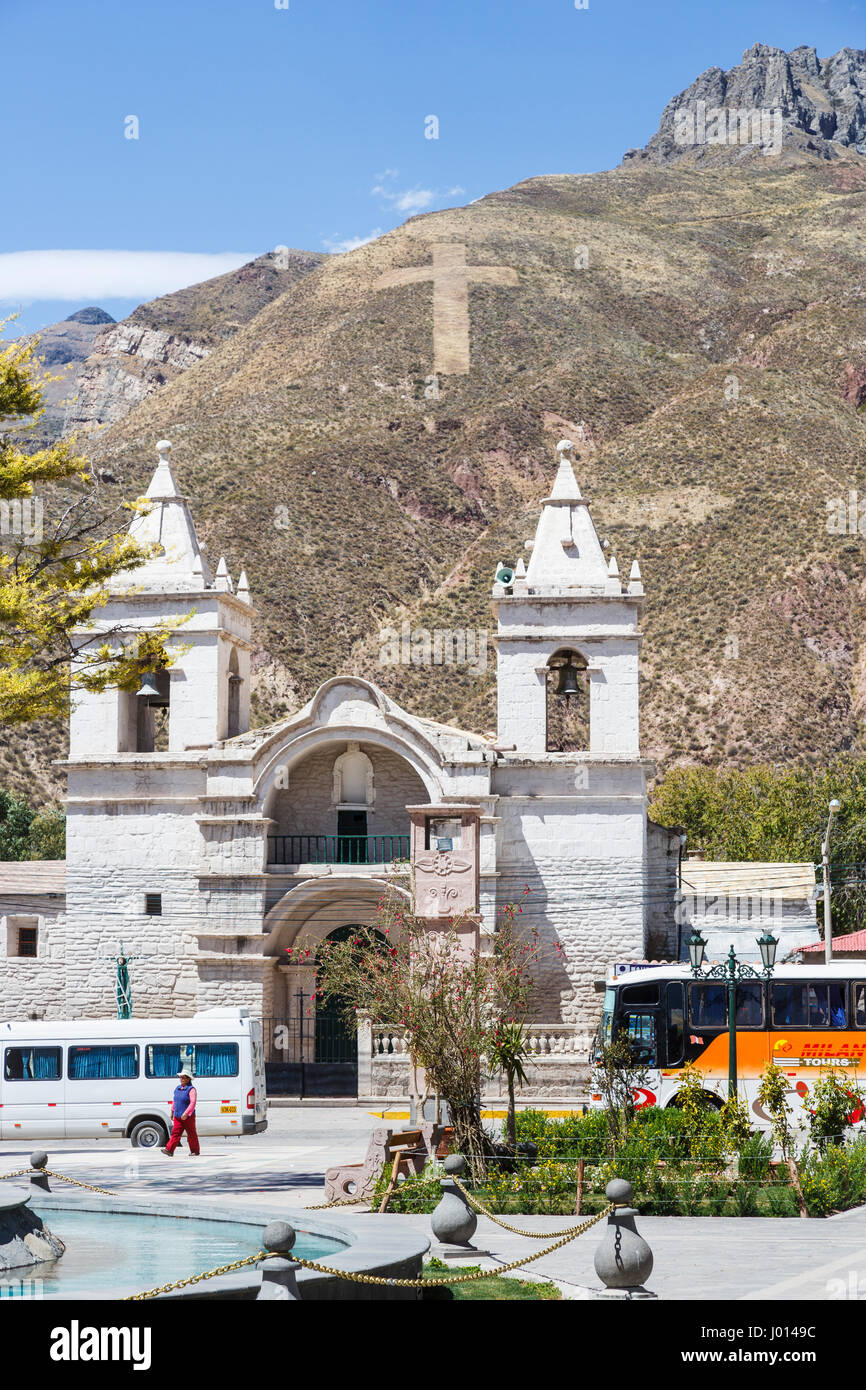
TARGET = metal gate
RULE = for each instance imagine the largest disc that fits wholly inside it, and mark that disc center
(312, 1052)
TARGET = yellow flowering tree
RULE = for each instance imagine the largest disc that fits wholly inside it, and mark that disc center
(54, 573)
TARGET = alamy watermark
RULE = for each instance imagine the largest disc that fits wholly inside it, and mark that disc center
(422, 646)
(846, 516)
(722, 125)
(22, 517)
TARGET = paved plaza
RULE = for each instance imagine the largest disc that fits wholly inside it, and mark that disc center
(282, 1171)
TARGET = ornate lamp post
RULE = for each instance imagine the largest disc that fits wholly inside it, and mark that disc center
(732, 971)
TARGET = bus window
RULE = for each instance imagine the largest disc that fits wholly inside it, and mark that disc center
(639, 994)
(790, 1005)
(708, 1005)
(32, 1064)
(810, 1005)
(103, 1062)
(607, 1017)
(640, 1029)
(750, 1005)
(860, 1005)
(675, 1024)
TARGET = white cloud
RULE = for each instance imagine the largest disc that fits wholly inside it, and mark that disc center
(350, 243)
(411, 199)
(96, 275)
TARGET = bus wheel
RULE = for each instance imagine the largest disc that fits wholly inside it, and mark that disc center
(713, 1101)
(149, 1134)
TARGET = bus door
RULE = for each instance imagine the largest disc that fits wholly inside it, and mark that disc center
(31, 1091)
(638, 1019)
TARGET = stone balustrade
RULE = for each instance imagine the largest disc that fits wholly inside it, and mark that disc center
(557, 1065)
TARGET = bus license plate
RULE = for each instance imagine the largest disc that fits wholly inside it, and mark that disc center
(228, 1110)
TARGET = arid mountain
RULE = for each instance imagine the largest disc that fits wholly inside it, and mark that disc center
(698, 331)
(108, 368)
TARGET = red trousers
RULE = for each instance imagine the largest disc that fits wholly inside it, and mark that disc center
(180, 1128)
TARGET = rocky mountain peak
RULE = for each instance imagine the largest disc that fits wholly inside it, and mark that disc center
(771, 100)
(91, 314)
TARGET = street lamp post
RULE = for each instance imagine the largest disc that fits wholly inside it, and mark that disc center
(732, 971)
(825, 865)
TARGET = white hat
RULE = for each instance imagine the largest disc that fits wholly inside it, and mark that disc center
(184, 1073)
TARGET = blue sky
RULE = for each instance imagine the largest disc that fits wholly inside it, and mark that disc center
(304, 126)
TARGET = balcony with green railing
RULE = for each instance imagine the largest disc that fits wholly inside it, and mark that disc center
(293, 851)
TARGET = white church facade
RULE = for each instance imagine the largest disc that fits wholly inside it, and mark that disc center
(216, 852)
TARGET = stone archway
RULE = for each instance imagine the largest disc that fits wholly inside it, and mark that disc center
(305, 1056)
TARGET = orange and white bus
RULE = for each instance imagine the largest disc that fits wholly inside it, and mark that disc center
(804, 1019)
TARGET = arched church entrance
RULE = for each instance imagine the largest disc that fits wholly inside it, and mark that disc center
(336, 1042)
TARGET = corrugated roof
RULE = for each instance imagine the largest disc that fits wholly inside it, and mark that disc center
(852, 941)
(709, 876)
(32, 876)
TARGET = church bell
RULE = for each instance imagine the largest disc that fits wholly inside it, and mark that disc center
(148, 689)
(568, 682)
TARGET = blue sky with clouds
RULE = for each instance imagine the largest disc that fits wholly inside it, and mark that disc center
(302, 122)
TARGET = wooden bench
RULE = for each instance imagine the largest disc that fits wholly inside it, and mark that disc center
(409, 1150)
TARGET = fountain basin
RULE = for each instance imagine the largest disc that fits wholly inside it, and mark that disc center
(24, 1238)
(153, 1242)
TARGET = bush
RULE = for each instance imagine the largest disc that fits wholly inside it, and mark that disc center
(835, 1180)
(755, 1155)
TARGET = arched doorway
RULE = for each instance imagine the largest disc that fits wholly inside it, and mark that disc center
(336, 1039)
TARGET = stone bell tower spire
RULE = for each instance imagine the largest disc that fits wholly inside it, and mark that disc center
(204, 696)
(570, 600)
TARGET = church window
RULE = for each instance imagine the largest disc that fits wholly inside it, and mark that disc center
(567, 695)
(153, 904)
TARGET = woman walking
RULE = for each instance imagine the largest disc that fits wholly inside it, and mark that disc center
(183, 1114)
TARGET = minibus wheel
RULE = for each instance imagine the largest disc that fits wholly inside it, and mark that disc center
(148, 1134)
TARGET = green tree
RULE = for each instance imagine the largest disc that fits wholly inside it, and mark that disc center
(776, 814)
(509, 1047)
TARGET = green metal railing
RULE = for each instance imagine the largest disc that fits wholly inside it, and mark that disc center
(337, 849)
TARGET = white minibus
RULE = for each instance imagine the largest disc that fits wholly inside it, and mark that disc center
(99, 1078)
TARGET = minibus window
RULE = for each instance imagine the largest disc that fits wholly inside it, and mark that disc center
(860, 1005)
(203, 1059)
(31, 1064)
(675, 1023)
(102, 1062)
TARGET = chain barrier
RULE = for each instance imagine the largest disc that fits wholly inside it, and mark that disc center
(515, 1230)
(457, 1278)
(372, 1278)
(341, 1202)
(49, 1173)
(195, 1278)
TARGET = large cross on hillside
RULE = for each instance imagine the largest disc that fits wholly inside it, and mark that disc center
(450, 275)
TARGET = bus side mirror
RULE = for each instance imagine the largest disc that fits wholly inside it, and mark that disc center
(599, 986)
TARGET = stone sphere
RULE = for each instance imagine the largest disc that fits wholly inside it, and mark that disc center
(619, 1191)
(279, 1237)
(38, 1158)
(455, 1163)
